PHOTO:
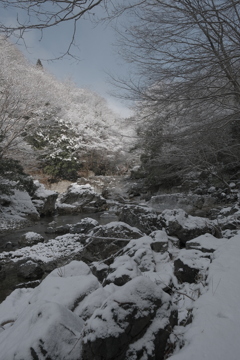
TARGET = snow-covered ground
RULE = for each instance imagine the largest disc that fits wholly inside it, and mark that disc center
(214, 331)
(71, 305)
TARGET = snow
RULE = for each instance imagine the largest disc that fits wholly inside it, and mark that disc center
(19, 209)
(214, 332)
(41, 191)
(70, 303)
(61, 246)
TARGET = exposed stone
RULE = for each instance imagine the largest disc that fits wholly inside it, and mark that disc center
(185, 273)
(123, 269)
(160, 241)
(145, 219)
(30, 270)
(100, 270)
(190, 264)
(2, 273)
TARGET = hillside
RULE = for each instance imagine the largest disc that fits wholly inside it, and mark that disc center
(56, 127)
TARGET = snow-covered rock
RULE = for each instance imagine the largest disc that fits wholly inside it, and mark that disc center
(160, 241)
(81, 227)
(186, 227)
(30, 238)
(205, 243)
(214, 331)
(80, 198)
(191, 265)
(145, 219)
(106, 240)
(192, 203)
(17, 211)
(30, 270)
(114, 329)
(44, 200)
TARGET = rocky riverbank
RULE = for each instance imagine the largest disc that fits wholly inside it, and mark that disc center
(127, 290)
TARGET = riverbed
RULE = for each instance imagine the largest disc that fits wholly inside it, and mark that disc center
(9, 240)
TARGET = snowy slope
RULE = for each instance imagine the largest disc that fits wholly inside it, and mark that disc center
(214, 332)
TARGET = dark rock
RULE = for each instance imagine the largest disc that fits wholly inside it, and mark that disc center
(100, 270)
(30, 270)
(2, 273)
(9, 245)
(160, 241)
(144, 219)
(123, 269)
(185, 273)
(83, 226)
(190, 265)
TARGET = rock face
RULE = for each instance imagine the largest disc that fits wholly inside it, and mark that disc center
(186, 227)
(144, 219)
(132, 310)
(80, 198)
(44, 200)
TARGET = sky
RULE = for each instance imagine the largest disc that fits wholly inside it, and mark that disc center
(96, 49)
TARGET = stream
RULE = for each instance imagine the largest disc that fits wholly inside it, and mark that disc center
(41, 226)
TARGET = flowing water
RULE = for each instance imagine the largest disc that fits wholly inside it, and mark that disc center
(41, 226)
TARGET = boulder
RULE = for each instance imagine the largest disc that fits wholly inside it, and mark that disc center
(191, 265)
(81, 198)
(140, 251)
(160, 241)
(83, 226)
(43, 330)
(30, 270)
(106, 240)
(112, 330)
(194, 204)
(44, 200)
(123, 269)
(145, 219)
(30, 238)
(186, 227)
